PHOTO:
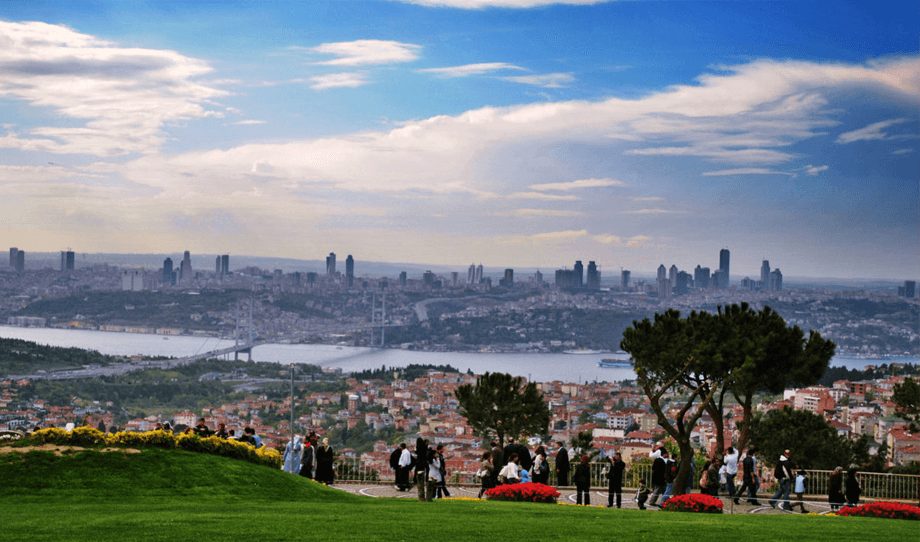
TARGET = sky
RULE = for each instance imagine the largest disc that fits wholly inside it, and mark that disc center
(504, 132)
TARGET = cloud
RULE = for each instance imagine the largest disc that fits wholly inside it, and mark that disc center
(649, 212)
(549, 80)
(814, 170)
(540, 196)
(869, 133)
(509, 4)
(539, 213)
(471, 69)
(337, 80)
(747, 171)
(615, 240)
(366, 52)
(559, 235)
(902, 151)
(584, 183)
(124, 95)
(247, 122)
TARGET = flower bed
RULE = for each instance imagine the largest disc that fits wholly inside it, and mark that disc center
(529, 492)
(90, 437)
(885, 510)
(695, 502)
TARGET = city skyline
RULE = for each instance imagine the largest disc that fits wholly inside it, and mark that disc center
(520, 134)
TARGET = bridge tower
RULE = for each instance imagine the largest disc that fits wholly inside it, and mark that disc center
(243, 328)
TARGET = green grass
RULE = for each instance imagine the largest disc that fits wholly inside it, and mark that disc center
(172, 495)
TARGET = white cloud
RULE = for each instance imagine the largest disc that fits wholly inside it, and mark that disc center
(540, 196)
(510, 4)
(472, 69)
(615, 240)
(539, 213)
(649, 212)
(814, 170)
(124, 95)
(902, 151)
(584, 183)
(549, 80)
(869, 133)
(247, 122)
(367, 52)
(747, 171)
(338, 80)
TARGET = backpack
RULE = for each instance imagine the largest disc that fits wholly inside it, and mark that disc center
(778, 472)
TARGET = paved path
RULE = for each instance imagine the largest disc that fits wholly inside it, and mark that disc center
(598, 498)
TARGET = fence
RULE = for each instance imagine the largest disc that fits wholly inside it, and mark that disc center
(876, 486)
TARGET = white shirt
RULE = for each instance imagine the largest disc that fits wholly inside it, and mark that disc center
(434, 471)
(405, 458)
(510, 471)
(731, 463)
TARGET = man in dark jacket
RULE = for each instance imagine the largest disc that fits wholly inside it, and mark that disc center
(394, 464)
(421, 468)
(659, 473)
(749, 478)
(783, 474)
(562, 466)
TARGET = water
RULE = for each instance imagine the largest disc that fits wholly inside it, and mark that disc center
(535, 367)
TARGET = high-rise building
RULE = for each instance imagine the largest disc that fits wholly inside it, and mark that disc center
(724, 257)
(330, 264)
(169, 276)
(132, 280)
(701, 277)
(428, 278)
(776, 279)
(14, 254)
(579, 271)
(217, 267)
(672, 275)
(909, 290)
(624, 279)
(403, 278)
(185, 268)
(664, 283)
(349, 270)
(20, 264)
(67, 260)
(508, 280)
(538, 277)
(683, 283)
(765, 275)
(594, 277)
(225, 264)
(479, 273)
(454, 279)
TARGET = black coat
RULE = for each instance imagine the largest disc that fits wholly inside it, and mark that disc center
(659, 470)
(615, 475)
(562, 461)
(394, 458)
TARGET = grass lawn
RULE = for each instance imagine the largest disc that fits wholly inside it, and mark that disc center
(175, 495)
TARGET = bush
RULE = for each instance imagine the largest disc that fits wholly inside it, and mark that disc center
(529, 492)
(884, 510)
(695, 502)
(90, 437)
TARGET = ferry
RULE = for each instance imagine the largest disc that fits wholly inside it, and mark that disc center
(582, 351)
(614, 364)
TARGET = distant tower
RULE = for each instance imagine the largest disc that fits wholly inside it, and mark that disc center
(478, 277)
(20, 260)
(169, 277)
(185, 269)
(471, 274)
(14, 253)
(67, 260)
(225, 264)
(701, 277)
(594, 277)
(724, 256)
(454, 279)
(508, 280)
(664, 283)
(765, 275)
(217, 267)
(403, 278)
(672, 275)
(624, 278)
(579, 270)
(909, 290)
(349, 270)
(538, 277)
(776, 279)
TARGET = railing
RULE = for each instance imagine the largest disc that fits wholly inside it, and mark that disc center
(875, 486)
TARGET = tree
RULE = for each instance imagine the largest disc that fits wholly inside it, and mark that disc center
(665, 359)
(583, 444)
(907, 397)
(501, 405)
(813, 442)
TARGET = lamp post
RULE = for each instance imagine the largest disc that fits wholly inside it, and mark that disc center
(292, 411)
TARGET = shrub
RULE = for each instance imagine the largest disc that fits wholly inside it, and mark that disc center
(884, 510)
(695, 502)
(529, 492)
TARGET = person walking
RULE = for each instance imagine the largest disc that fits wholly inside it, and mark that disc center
(485, 473)
(749, 480)
(799, 489)
(309, 457)
(582, 479)
(615, 476)
(731, 470)
(853, 487)
(441, 488)
(421, 467)
(835, 489)
(783, 475)
(325, 456)
(659, 468)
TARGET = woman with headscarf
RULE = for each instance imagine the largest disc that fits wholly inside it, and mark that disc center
(582, 479)
(853, 489)
(324, 458)
(292, 454)
(835, 489)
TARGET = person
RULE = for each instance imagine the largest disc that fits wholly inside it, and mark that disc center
(731, 470)
(221, 431)
(441, 488)
(434, 475)
(168, 428)
(582, 479)
(670, 476)
(325, 456)
(749, 479)
(783, 475)
(309, 457)
(405, 468)
(615, 476)
(540, 470)
(485, 473)
(835, 489)
(853, 489)
(509, 473)
(642, 495)
(497, 462)
(202, 429)
(249, 437)
(394, 464)
(659, 467)
(292, 452)
(712, 477)
(231, 435)
(800, 480)
(421, 467)
(562, 466)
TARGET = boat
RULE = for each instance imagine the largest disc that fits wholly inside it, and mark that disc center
(582, 351)
(614, 364)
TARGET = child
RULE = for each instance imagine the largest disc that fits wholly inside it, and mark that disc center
(799, 489)
(525, 476)
(642, 495)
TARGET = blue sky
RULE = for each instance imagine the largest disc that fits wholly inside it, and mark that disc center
(507, 132)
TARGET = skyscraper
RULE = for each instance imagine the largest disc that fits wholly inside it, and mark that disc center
(350, 270)
(471, 274)
(169, 277)
(776, 279)
(330, 264)
(765, 275)
(185, 268)
(594, 277)
(701, 277)
(67, 260)
(13, 255)
(225, 264)
(579, 270)
(672, 275)
(624, 278)
(724, 256)
(479, 272)
(664, 283)
(20, 261)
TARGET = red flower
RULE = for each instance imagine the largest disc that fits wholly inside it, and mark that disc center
(696, 502)
(890, 510)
